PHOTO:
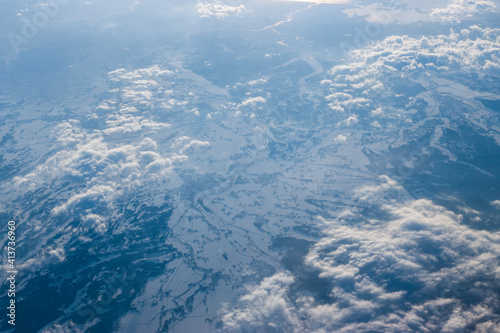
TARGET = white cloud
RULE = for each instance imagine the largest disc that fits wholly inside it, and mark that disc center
(45, 257)
(101, 193)
(340, 138)
(103, 170)
(94, 169)
(253, 101)
(128, 123)
(121, 75)
(259, 81)
(95, 222)
(457, 10)
(388, 191)
(265, 307)
(218, 10)
(194, 143)
(495, 203)
(467, 51)
(104, 164)
(417, 269)
(366, 82)
(351, 120)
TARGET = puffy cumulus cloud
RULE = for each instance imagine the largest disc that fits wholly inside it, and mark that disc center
(388, 191)
(98, 166)
(340, 138)
(367, 80)
(95, 222)
(343, 100)
(352, 86)
(129, 123)
(137, 89)
(350, 121)
(96, 193)
(192, 144)
(218, 9)
(46, 257)
(468, 51)
(458, 10)
(108, 160)
(265, 308)
(100, 163)
(139, 75)
(253, 101)
(417, 269)
(69, 132)
(152, 90)
(102, 171)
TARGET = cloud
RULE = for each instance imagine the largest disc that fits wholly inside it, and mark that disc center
(388, 191)
(138, 89)
(406, 13)
(101, 168)
(458, 10)
(253, 101)
(194, 143)
(351, 120)
(266, 307)
(466, 51)
(129, 123)
(100, 161)
(361, 87)
(416, 269)
(95, 222)
(340, 138)
(44, 258)
(218, 10)
(97, 193)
